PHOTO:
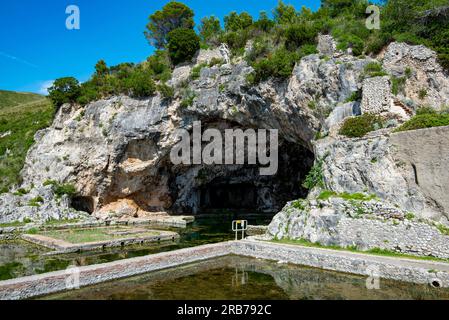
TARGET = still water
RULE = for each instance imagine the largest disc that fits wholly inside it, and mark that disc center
(242, 278)
(20, 258)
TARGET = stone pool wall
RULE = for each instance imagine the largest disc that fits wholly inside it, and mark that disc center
(408, 270)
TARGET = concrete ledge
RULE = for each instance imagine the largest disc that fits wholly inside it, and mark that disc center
(53, 282)
(407, 270)
(400, 269)
(62, 246)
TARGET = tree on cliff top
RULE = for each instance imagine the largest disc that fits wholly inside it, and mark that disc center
(64, 90)
(173, 15)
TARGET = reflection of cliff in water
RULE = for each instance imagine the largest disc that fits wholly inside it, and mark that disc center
(234, 277)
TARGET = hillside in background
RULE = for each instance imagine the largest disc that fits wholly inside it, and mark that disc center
(21, 115)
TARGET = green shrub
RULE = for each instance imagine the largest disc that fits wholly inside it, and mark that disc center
(307, 49)
(182, 45)
(236, 40)
(188, 98)
(64, 90)
(61, 189)
(166, 91)
(347, 41)
(196, 71)
(299, 34)
(36, 202)
(21, 192)
(279, 65)
(355, 96)
(426, 110)
(315, 178)
(260, 48)
(140, 84)
(357, 127)
(209, 29)
(299, 204)
(422, 93)
(374, 69)
(397, 84)
(426, 120)
(235, 21)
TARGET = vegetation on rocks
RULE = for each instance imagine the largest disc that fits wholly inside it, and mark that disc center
(61, 189)
(425, 118)
(277, 44)
(21, 116)
(357, 127)
(315, 178)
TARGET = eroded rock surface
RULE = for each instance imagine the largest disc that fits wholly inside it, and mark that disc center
(116, 151)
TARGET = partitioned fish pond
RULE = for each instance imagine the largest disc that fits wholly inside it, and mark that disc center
(236, 278)
(20, 258)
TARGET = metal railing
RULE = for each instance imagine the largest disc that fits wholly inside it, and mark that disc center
(239, 226)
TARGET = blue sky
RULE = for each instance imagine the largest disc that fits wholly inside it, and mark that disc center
(36, 47)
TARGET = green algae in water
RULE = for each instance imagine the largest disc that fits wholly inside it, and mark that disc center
(243, 278)
(11, 270)
(35, 261)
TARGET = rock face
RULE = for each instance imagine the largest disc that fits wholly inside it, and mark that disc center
(116, 152)
(362, 224)
(426, 82)
(408, 169)
(39, 204)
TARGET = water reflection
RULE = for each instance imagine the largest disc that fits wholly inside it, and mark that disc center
(19, 258)
(236, 278)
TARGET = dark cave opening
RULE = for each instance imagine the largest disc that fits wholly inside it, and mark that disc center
(237, 196)
(241, 188)
(84, 204)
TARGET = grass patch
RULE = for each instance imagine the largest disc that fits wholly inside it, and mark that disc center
(374, 251)
(16, 223)
(326, 194)
(61, 189)
(374, 69)
(36, 202)
(196, 71)
(55, 222)
(299, 204)
(21, 115)
(92, 235)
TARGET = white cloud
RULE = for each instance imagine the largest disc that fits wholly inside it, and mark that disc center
(43, 87)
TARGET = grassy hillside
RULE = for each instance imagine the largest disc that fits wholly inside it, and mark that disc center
(21, 115)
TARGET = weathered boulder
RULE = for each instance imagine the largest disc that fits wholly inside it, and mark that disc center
(362, 224)
(408, 169)
(426, 81)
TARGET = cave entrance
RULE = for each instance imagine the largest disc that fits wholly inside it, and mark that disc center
(84, 204)
(242, 197)
(206, 189)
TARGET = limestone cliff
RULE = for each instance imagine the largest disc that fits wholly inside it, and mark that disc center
(116, 151)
